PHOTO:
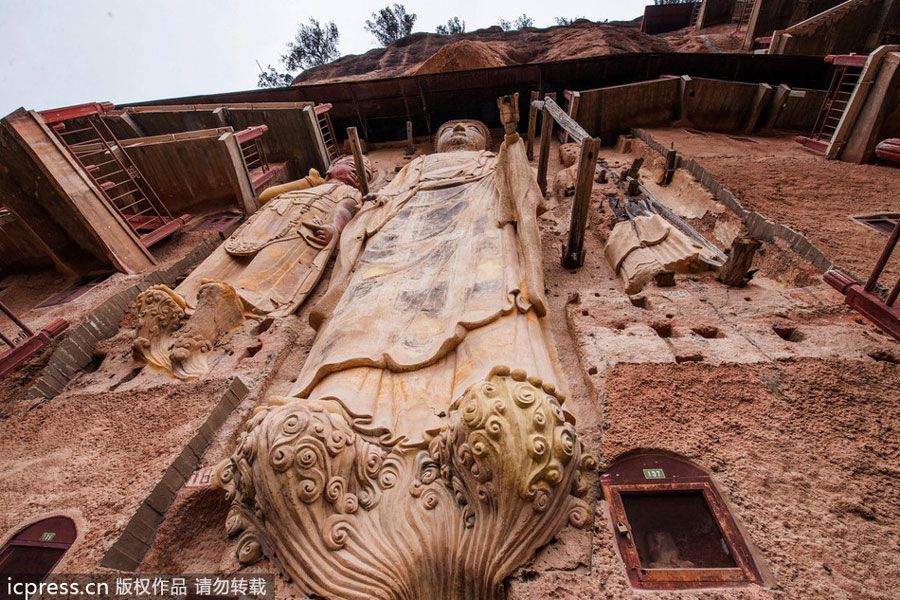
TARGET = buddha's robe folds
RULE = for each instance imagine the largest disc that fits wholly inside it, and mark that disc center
(274, 260)
(437, 282)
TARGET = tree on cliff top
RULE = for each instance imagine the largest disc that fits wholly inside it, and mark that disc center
(453, 25)
(521, 22)
(391, 24)
(314, 45)
(566, 21)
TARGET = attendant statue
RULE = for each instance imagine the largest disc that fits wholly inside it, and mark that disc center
(424, 451)
(266, 268)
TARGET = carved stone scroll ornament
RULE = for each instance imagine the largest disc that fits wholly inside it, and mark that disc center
(346, 517)
(170, 340)
(160, 313)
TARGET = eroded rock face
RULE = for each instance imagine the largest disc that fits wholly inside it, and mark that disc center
(347, 518)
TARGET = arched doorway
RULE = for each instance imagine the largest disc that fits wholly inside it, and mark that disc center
(33, 552)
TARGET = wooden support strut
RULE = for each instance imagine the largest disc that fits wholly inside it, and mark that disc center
(544, 153)
(574, 99)
(575, 131)
(573, 251)
(356, 148)
(669, 171)
(410, 146)
(532, 125)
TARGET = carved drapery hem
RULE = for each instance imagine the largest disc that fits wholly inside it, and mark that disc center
(346, 517)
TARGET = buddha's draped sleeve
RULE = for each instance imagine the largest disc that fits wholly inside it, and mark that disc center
(520, 203)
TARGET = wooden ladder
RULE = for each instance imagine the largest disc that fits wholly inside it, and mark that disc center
(327, 130)
(695, 14)
(92, 144)
(839, 92)
(746, 11)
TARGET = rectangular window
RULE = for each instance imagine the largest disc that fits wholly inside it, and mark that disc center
(672, 527)
(676, 531)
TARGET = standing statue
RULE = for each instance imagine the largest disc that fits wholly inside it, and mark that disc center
(424, 451)
(266, 268)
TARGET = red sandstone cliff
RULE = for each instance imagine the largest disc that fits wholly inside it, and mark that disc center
(493, 47)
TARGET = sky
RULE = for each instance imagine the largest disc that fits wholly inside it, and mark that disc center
(63, 52)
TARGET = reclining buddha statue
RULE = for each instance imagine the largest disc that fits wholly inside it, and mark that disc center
(268, 267)
(424, 450)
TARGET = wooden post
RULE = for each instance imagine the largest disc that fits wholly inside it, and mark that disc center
(532, 125)
(573, 251)
(761, 100)
(669, 171)
(221, 115)
(410, 146)
(544, 154)
(358, 160)
(240, 181)
(631, 187)
(779, 100)
(574, 99)
(130, 122)
(734, 271)
(684, 88)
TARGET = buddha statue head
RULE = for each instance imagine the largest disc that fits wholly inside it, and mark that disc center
(462, 134)
(343, 169)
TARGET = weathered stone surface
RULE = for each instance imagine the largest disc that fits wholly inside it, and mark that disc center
(406, 425)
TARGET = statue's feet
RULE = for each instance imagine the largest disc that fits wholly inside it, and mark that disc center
(219, 309)
(160, 313)
(348, 518)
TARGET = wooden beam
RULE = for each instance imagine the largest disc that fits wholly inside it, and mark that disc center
(82, 208)
(532, 125)
(573, 251)
(358, 160)
(575, 131)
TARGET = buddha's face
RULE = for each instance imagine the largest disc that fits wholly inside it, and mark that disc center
(461, 135)
(344, 170)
